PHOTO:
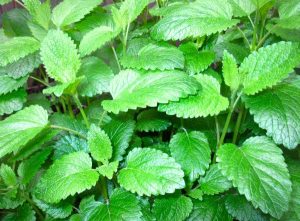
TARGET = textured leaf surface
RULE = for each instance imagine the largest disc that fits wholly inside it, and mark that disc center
(12, 102)
(131, 89)
(154, 56)
(8, 84)
(71, 174)
(191, 150)
(211, 208)
(16, 48)
(196, 61)
(208, 101)
(243, 210)
(150, 172)
(58, 211)
(242, 7)
(18, 129)
(59, 45)
(71, 11)
(96, 38)
(120, 133)
(8, 176)
(22, 67)
(109, 169)
(151, 120)
(231, 74)
(24, 213)
(276, 110)
(97, 77)
(28, 168)
(214, 181)
(122, 206)
(194, 20)
(267, 66)
(99, 144)
(259, 172)
(172, 208)
(293, 214)
(69, 144)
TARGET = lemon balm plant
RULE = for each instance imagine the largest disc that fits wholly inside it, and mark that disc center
(150, 110)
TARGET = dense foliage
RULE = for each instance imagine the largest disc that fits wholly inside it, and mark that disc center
(150, 110)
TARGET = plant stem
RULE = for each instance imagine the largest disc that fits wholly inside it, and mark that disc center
(104, 192)
(36, 209)
(237, 125)
(79, 105)
(102, 117)
(71, 113)
(63, 104)
(125, 38)
(217, 129)
(40, 81)
(225, 128)
(254, 39)
(20, 3)
(244, 36)
(68, 130)
(116, 57)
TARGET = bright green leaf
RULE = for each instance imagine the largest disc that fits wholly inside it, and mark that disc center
(208, 101)
(109, 169)
(18, 129)
(150, 172)
(231, 74)
(151, 120)
(255, 169)
(131, 89)
(12, 101)
(70, 174)
(24, 213)
(191, 150)
(8, 84)
(8, 175)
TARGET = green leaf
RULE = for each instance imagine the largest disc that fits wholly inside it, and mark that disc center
(276, 110)
(242, 210)
(58, 211)
(154, 56)
(293, 214)
(128, 12)
(22, 67)
(151, 120)
(267, 66)
(16, 130)
(69, 88)
(8, 175)
(191, 150)
(71, 11)
(150, 172)
(214, 181)
(195, 19)
(172, 208)
(146, 210)
(122, 205)
(69, 144)
(10, 203)
(131, 89)
(120, 133)
(40, 12)
(12, 101)
(196, 61)
(96, 38)
(16, 48)
(68, 175)
(196, 194)
(3, 2)
(24, 213)
(109, 169)
(207, 102)
(8, 84)
(242, 7)
(59, 45)
(231, 74)
(211, 208)
(99, 144)
(28, 168)
(265, 181)
(97, 77)
(289, 8)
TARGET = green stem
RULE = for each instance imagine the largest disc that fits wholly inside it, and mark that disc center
(102, 117)
(125, 38)
(104, 191)
(71, 113)
(116, 57)
(225, 128)
(63, 104)
(68, 130)
(237, 125)
(263, 39)
(217, 129)
(36, 209)
(40, 81)
(254, 39)
(20, 3)
(79, 105)
(244, 36)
